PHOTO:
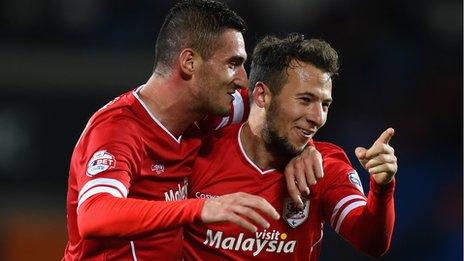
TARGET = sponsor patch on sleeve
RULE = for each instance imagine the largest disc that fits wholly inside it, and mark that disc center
(101, 160)
(355, 180)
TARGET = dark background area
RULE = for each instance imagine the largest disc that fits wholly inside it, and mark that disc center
(61, 60)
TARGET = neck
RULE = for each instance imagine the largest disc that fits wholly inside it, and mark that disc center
(254, 145)
(170, 100)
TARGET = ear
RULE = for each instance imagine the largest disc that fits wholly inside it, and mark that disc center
(262, 95)
(188, 60)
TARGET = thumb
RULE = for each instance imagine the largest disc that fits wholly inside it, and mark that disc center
(360, 152)
(361, 155)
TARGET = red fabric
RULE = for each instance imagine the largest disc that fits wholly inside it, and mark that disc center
(126, 178)
(223, 168)
(125, 153)
(106, 216)
(370, 228)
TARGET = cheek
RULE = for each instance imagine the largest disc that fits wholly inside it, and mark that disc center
(293, 112)
(324, 118)
(284, 122)
(229, 74)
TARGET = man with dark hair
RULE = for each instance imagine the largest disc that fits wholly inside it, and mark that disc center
(194, 24)
(127, 188)
(291, 85)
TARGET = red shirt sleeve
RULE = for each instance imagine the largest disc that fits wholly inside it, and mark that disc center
(370, 228)
(366, 223)
(106, 162)
(104, 215)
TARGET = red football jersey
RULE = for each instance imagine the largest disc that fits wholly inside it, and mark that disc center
(125, 152)
(223, 167)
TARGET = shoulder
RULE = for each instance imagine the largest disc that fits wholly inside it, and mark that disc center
(338, 169)
(335, 161)
(117, 120)
(330, 151)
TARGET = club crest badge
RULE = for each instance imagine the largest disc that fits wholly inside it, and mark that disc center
(100, 161)
(293, 215)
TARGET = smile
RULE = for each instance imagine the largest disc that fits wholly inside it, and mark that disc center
(306, 133)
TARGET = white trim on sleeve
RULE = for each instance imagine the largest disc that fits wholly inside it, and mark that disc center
(103, 182)
(97, 190)
(346, 211)
(341, 203)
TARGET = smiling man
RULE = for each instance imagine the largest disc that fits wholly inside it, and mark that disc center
(127, 187)
(291, 84)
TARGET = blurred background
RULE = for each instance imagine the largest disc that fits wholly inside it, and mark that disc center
(61, 60)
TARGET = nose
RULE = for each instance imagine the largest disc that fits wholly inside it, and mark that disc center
(316, 114)
(241, 78)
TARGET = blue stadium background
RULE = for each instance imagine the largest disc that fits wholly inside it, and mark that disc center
(60, 60)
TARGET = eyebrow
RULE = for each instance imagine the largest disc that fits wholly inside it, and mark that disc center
(238, 59)
(313, 96)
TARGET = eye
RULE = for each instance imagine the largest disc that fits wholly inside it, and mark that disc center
(305, 100)
(233, 64)
(326, 105)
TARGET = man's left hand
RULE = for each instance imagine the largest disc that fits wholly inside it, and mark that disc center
(379, 160)
(303, 171)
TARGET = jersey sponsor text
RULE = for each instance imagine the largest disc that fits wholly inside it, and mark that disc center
(179, 194)
(264, 241)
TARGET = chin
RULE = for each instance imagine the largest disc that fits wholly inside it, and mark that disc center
(298, 147)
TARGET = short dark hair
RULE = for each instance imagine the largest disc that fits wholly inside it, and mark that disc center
(194, 24)
(272, 57)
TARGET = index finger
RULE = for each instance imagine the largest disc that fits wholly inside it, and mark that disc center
(386, 136)
(291, 186)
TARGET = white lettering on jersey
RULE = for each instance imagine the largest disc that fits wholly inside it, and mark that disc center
(272, 242)
(179, 194)
(101, 160)
(198, 194)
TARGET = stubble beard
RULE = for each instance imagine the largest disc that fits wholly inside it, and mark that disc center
(279, 146)
(210, 100)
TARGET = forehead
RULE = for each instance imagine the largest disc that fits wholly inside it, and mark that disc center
(305, 77)
(229, 44)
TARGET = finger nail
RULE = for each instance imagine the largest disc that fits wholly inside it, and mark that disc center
(267, 225)
(301, 205)
(307, 191)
